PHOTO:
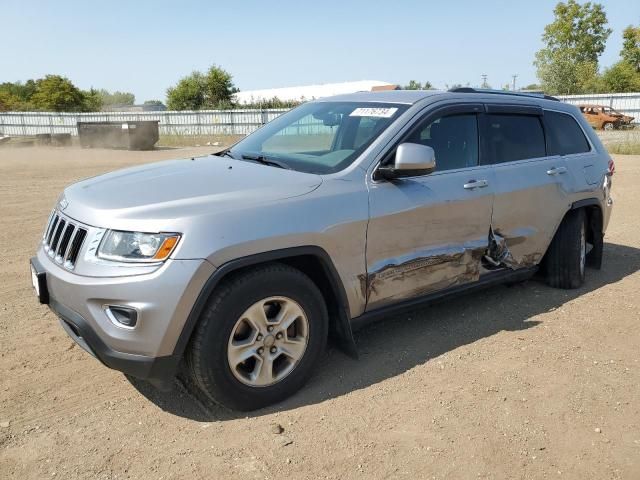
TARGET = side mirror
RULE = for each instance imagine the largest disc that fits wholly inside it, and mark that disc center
(412, 160)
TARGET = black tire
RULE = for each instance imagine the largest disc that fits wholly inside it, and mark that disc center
(207, 355)
(566, 257)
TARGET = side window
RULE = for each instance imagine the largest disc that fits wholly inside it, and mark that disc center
(514, 137)
(564, 135)
(454, 139)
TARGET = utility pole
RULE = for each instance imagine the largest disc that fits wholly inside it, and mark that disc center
(484, 80)
(514, 76)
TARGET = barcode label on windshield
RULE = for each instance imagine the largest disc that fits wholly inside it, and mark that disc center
(374, 112)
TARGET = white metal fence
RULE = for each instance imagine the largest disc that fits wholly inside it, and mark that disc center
(225, 122)
(203, 122)
(627, 103)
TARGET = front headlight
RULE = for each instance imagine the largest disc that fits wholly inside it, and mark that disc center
(137, 246)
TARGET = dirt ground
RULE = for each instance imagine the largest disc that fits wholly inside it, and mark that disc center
(514, 382)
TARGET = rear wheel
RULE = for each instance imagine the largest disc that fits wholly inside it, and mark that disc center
(608, 126)
(566, 257)
(259, 337)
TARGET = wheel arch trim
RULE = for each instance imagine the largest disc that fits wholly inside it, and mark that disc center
(343, 322)
(587, 202)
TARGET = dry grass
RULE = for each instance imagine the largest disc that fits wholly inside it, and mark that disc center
(622, 142)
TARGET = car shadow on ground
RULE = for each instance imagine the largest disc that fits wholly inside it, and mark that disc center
(401, 342)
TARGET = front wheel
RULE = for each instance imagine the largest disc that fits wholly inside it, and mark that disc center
(566, 258)
(259, 337)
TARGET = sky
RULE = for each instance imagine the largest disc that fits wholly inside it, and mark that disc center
(146, 46)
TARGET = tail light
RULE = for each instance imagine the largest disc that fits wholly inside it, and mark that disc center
(611, 169)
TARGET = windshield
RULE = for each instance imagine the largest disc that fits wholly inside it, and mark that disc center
(319, 137)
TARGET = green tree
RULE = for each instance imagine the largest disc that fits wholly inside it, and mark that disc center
(573, 43)
(10, 102)
(582, 29)
(621, 77)
(116, 98)
(23, 91)
(57, 94)
(197, 91)
(188, 94)
(414, 85)
(93, 100)
(630, 52)
(153, 102)
(560, 74)
(219, 87)
(52, 93)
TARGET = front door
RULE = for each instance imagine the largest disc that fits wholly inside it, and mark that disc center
(430, 232)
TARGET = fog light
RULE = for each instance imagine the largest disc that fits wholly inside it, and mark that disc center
(121, 316)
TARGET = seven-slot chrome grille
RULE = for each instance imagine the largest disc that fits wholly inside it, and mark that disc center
(63, 239)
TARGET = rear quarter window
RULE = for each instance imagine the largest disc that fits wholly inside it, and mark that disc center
(564, 135)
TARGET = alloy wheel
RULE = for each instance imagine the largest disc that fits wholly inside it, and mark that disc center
(268, 341)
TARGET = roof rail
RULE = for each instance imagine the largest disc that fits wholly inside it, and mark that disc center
(502, 92)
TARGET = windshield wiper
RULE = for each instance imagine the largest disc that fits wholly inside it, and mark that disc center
(266, 161)
(225, 153)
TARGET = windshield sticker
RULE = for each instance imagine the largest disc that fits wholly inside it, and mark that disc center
(374, 112)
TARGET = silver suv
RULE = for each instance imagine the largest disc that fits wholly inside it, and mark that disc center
(239, 265)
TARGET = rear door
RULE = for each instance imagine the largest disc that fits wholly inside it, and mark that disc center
(531, 188)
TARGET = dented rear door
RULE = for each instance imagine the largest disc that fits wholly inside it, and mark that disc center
(531, 189)
(429, 233)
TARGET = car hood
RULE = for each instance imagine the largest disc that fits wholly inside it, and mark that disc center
(181, 188)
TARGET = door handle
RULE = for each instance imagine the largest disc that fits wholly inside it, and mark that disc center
(471, 184)
(556, 170)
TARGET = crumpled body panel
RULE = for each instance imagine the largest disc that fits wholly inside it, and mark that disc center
(423, 273)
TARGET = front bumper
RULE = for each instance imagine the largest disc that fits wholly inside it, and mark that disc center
(164, 300)
(159, 371)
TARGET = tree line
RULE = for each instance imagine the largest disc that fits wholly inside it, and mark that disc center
(197, 91)
(568, 64)
(55, 93)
